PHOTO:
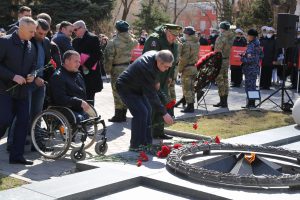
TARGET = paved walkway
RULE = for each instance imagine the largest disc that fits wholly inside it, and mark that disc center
(118, 134)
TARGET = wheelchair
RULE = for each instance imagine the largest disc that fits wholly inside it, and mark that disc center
(55, 130)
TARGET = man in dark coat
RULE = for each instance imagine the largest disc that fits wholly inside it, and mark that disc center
(37, 88)
(136, 87)
(270, 57)
(63, 37)
(88, 44)
(17, 63)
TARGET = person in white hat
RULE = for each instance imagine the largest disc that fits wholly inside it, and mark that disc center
(263, 33)
(236, 71)
(269, 47)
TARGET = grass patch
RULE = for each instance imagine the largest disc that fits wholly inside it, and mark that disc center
(7, 182)
(233, 124)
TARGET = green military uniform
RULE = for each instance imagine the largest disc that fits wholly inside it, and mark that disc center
(158, 41)
(223, 44)
(117, 55)
(172, 92)
(187, 59)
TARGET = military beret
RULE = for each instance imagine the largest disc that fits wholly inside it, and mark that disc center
(122, 26)
(224, 25)
(173, 28)
(253, 32)
(189, 30)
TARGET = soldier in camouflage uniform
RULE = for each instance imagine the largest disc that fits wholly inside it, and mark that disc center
(187, 59)
(250, 66)
(223, 44)
(164, 37)
(117, 55)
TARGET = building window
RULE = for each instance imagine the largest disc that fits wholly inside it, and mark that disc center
(202, 25)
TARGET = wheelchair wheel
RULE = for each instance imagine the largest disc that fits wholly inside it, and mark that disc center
(77, 155)
(90, 139)
(51, 134)
(101, 147)
(92, 130)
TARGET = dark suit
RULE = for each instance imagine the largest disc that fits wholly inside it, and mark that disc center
(16, 58)
(90, 44)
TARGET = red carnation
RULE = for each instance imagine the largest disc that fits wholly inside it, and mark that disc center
(195, 126)
(139, 163)
(217, 140)
(171, 104)
(177, 146)
(143, 156)
(194, 143)
(53, 63)
(164, 152)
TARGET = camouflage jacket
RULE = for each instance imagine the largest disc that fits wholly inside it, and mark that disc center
(224, 42)
(118, 50)
(188, 53)
(252, 55)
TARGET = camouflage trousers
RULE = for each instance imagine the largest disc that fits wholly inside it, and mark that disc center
(222, 79)
(114, 76)
(172, 93)
(188, 91)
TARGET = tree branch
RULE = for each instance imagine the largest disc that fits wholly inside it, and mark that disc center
(176, 15)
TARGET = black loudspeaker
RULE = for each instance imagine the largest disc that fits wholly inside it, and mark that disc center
(286, 30)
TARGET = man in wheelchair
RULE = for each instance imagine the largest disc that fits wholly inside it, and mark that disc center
(67, 86)
(69, 120)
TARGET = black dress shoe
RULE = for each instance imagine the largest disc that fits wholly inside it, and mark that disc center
(21, 161)
(8, 147)
(164, 136)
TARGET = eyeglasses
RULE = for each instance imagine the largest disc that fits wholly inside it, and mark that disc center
(76, 29)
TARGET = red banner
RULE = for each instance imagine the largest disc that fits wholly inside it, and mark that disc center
(203, 50)
(136, 52)
(235, 58)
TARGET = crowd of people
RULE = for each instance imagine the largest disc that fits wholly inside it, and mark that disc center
(145, 86)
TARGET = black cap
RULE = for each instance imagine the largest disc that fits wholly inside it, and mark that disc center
(253, 32)
(122, 26)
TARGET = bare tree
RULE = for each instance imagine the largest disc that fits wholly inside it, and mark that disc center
(164, 4)
(117, 13)
(177, 11)
(126, 8)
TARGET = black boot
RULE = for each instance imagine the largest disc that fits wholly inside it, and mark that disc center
(182, 100)
(224, 103)
(124, 111)
(218, 104)
(189, 108)
(251, 104)
(118, 116)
